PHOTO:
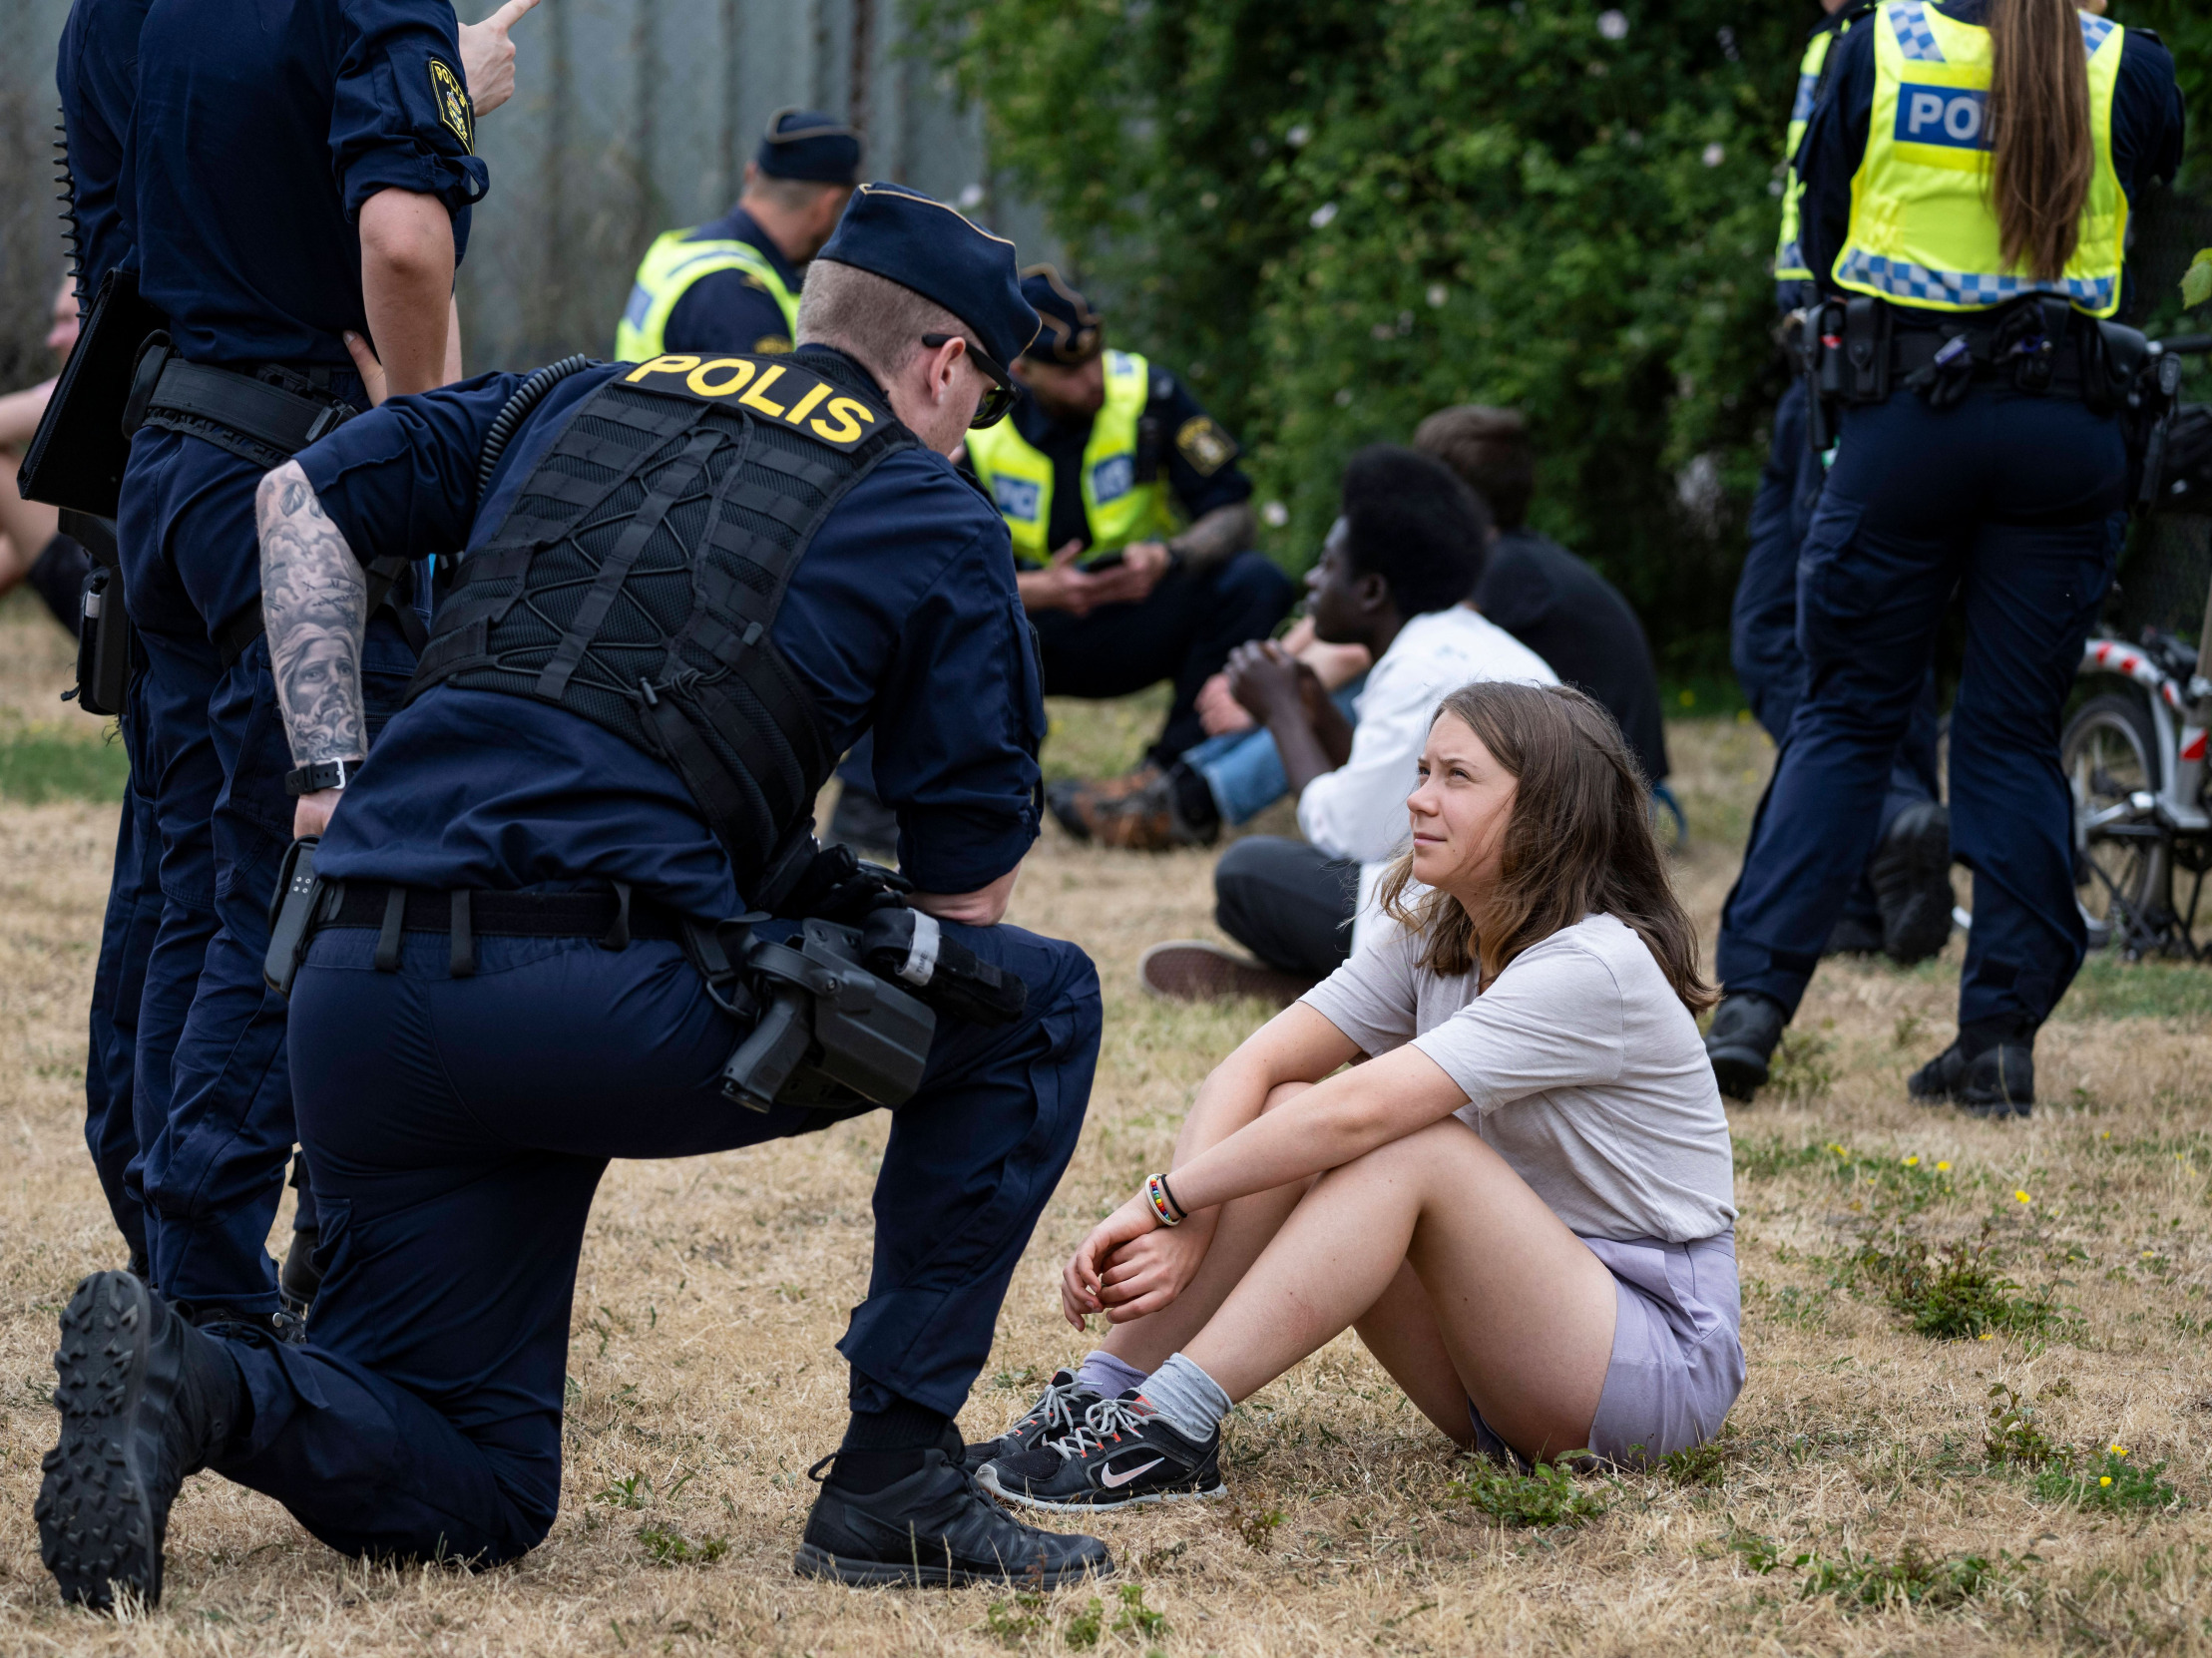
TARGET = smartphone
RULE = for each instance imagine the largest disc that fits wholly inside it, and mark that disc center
(1104, 560)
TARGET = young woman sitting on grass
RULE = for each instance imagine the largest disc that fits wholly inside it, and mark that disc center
(1523, 1200)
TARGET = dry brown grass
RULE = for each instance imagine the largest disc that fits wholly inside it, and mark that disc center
(703, 1381)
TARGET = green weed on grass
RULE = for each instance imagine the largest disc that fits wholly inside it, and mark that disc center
(38, 766)
(1913, 1577)
(1547, 1496)
(2108, 988)
(2114, 1482)
(1896, 1185)
(666, 1546)
(1804, 1068)
(1956, 1293)
(2013, 1437)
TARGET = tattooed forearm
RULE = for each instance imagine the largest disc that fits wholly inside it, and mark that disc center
(314, 598)
(1218, 537)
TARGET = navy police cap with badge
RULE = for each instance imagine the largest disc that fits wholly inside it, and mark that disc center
(921, 244)
(809, 146)
(1072, 333)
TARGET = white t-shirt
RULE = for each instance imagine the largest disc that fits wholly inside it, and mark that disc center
(1581, 1068)
(1358, 811)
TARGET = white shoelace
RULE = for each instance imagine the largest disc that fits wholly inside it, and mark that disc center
(1101, 1423)
(1053, 1410)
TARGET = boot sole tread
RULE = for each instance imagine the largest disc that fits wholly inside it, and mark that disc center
(812, 1561)
(97, 1525)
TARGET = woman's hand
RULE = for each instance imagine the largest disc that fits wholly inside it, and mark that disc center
(1149, 1272)
(1081, 1290)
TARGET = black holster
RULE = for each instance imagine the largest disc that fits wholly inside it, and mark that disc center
(104, 637)
(292, 915)
(1847, 355)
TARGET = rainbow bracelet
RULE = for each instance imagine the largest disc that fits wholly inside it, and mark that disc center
(1163, 1202)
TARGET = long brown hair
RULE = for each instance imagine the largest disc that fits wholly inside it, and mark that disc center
(2041, 152)
(1578, 842)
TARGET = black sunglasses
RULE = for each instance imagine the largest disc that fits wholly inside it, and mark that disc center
(997, 402)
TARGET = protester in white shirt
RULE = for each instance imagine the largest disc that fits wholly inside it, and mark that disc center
(1392, 577)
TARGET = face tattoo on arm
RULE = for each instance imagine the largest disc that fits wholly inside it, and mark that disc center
(314, 599)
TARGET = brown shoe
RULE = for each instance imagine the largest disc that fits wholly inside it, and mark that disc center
(1080, 802)
(1191, 970)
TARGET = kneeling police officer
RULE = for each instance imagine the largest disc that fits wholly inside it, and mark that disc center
(689, 584)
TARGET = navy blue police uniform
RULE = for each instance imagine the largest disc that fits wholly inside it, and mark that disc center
(735, 310)
(2014, 498)
(94, 71)
(461, 1091)
(259, 134)
(1763, 644)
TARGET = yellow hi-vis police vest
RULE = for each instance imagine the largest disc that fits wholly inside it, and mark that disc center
(1117, 509)
(1788, 257)
(1923, 232)
(665, 274)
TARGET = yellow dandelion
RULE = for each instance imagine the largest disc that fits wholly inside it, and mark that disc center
(2117, 1449)
(1837, 1149)
(1912, 1162)
(1989, 1335)
(2107, 1134)
(1943, 1168)
(2023, 1197)
(2104, 1480)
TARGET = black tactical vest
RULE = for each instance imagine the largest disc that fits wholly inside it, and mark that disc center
(641, 565)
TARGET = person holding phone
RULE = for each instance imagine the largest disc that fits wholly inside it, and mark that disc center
(1132, 541)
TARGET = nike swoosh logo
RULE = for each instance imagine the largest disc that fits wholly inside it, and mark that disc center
(1114, 1481)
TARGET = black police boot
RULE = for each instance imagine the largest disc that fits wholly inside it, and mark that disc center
(1911, 873)
(145, 1401)
(865, 824)
(298, 1280)
(1746, 1028)
(935, 1529)
(1994, 1079)
(1854, 935)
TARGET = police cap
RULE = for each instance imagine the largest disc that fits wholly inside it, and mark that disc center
(805, 144)
(919, 243)
(1072, 332)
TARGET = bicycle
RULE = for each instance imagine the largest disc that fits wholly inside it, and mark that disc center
(2134, 754)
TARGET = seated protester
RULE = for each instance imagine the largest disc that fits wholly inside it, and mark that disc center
(1551, 601)
(514, 985)
(732, 283)
(32, 546)
(1523, 1201)
(1405, 551)
(1132, 533)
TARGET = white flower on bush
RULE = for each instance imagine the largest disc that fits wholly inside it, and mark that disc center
(1715, 154)
(1613, 25)
(1323, 215)
(1276, 514)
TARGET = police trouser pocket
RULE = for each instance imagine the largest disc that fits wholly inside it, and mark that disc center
(1834, 590)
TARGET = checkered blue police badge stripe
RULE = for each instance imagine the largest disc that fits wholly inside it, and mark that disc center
(1900, 279)
(1909, 21)
(1807, 86)
(2094, 31)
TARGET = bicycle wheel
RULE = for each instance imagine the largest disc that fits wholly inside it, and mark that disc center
(2110, 755)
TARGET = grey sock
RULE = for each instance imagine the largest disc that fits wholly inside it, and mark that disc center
(1190, 1399)
(1102, 1373)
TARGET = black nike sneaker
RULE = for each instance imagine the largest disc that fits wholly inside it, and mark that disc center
(2000, 1081)
(1123, 1453)
(1910, 875)
(1056, 1410)
(934, 1530)
(1746, 1028)
(145, 1401)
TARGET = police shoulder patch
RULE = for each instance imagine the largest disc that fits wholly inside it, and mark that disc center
(1205, 445)
(765, 389)
(452, 98)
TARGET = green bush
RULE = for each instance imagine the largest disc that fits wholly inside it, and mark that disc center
(1335, 218)
(1547, 1496)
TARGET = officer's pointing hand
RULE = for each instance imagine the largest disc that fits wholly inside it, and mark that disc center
(488, 57)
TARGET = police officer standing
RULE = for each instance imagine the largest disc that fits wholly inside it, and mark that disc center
(1970, 171)
(303, 177)
(95, 69)
(1902, 906)
(732, 284)
(689, 585)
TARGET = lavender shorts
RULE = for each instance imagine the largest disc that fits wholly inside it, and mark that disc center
(1677, 1362)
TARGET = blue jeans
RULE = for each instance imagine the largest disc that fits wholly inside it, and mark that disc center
(1244, 769)
(456, 1130)
(2014, 502)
